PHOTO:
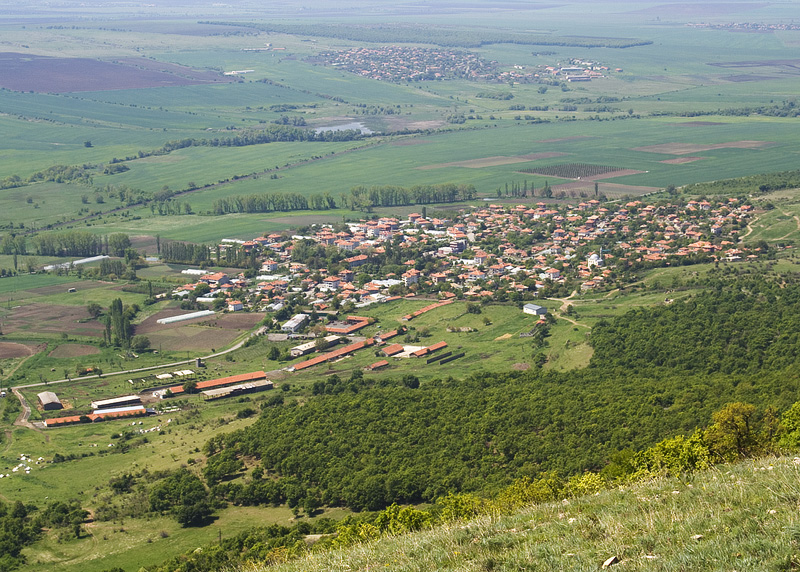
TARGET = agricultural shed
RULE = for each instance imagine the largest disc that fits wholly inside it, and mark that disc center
(182, 317)
(116, 402)
(377, 365)
(393, 349)
(350, 325)
(98, 416)
(333, 355)
(429, 349)
(49, 401)
(241, 389)
(219, 382)
(309, 347)
(534, 310)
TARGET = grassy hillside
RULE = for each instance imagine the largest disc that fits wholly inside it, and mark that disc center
(737, 517)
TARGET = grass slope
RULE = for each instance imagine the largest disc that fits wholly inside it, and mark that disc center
(738, 517)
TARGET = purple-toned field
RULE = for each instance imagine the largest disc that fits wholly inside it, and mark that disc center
(22, 72)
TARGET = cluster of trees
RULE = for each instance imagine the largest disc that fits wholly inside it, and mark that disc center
(268, 134)
(765, 183)
(739, 326)
(21, 525)
(738, 430)
(118, 329)
(68, 243)
(184, 252)
(263, 203)
(364, 198)
(56, 173)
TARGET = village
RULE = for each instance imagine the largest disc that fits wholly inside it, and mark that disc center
(502, 253)
(411, 64)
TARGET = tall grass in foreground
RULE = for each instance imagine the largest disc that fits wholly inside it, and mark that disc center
(733, 517)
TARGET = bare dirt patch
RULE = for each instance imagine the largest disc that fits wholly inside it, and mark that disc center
(51, 318)
(493, 161)
(682, 160)
(13, 350)
(521, 366)
(503, 337)
(687, 148)
(192, 338)
(25, 72)
(73, 350)
(202, 334)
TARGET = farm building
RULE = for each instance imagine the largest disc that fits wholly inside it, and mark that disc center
(377, 365)
(49, 401)
(335, 354)
(350, 325)
(311, 346)
(182, 317)
(295, 324)
(393, 349)
(117, 402)
(214, 383)
(429, 350)
(241, 389)
(534, 310)
(97, 416)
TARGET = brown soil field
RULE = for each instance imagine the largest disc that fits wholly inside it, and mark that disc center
(748, 77)
(493, 161)
(789, 65)
(682, 160)
(203, 334)
(192, 338)
(51, 318)
(13, 350)
(23, 72)
(686, 148)
(73, 350)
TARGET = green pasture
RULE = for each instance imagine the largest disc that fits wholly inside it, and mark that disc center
(209, 165)
(19, 285)
(206, 229)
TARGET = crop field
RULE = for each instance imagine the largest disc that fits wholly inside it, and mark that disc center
(20, 72)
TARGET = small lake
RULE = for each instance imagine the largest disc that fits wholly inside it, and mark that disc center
(355, 126)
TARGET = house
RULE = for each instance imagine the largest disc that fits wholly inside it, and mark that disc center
(235, 306)
(534, 310)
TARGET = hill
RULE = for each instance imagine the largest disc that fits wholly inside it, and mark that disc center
(734, 517)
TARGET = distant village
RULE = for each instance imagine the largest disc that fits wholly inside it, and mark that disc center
(497, 252)
(411, 64)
